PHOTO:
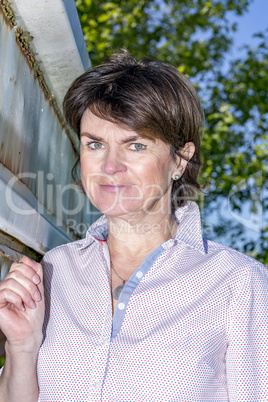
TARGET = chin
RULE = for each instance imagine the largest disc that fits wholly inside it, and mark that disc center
(118, 211)
(111, 204)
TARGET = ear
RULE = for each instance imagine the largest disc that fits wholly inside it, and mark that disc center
(186, 153)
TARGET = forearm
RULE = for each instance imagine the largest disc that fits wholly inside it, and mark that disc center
(18, 381)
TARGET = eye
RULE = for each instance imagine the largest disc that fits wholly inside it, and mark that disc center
(94, 145)
(137, 146)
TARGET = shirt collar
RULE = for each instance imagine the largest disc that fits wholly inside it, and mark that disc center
(189, 228)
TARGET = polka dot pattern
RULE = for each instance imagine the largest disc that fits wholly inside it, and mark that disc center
(191, 323)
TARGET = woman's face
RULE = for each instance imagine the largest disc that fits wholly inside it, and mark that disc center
(123, 173)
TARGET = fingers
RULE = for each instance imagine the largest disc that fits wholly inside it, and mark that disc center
(23, 285)
(33, 264)
(8, 296)
(33, 273)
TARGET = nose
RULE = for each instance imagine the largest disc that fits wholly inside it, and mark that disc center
(113, 163)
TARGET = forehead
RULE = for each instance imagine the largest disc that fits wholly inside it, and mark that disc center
(89, 119)
(105, 130)
(94, 125)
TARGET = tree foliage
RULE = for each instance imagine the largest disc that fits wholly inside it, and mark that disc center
(196, 36)
(168, 29)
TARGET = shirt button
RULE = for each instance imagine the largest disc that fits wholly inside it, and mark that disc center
(139, 274)
(121, 306)
(97, 385)
(106, 341)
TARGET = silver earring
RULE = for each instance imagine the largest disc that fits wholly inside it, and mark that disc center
(176, 177)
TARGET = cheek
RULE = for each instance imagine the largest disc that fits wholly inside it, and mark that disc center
(156, 173)
(87, 175)
(84, 171)
(84, 167)
(88, 166)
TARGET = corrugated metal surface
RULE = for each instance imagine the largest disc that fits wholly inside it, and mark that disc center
(58, 39)
(34, 148)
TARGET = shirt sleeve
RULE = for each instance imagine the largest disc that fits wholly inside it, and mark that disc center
(247, 352)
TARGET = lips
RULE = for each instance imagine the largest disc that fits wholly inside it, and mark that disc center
(114, 188)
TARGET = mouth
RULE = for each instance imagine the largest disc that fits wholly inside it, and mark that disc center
(114, 188)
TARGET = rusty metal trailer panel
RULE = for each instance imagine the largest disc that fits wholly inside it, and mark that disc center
(40, 206)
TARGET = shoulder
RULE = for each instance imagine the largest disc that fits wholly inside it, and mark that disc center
(95, 234)
(70, 258)
(230, 255)
(239, 269)
(62, 250)
(69, 265)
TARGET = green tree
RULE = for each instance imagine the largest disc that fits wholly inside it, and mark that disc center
(196, 36)
(237, 124)
(168, 29)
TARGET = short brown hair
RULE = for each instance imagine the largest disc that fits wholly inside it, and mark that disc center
(149, 97)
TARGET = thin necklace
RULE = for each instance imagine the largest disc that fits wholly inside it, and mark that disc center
(118, 289)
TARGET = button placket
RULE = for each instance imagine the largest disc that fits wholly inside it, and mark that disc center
(121, 306)
(99, 363)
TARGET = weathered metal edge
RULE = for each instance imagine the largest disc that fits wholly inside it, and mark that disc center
(24, 39)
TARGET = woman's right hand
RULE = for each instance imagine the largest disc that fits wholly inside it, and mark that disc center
(22, 306)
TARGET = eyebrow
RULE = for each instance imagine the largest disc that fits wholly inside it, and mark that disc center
(99, 139)
(91, 136)
(131, 139)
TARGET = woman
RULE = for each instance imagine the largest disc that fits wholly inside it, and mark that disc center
(142, 309)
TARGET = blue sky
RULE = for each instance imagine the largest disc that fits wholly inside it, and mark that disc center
(255, 20)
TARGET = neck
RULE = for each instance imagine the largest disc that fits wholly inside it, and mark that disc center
(138, 236)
